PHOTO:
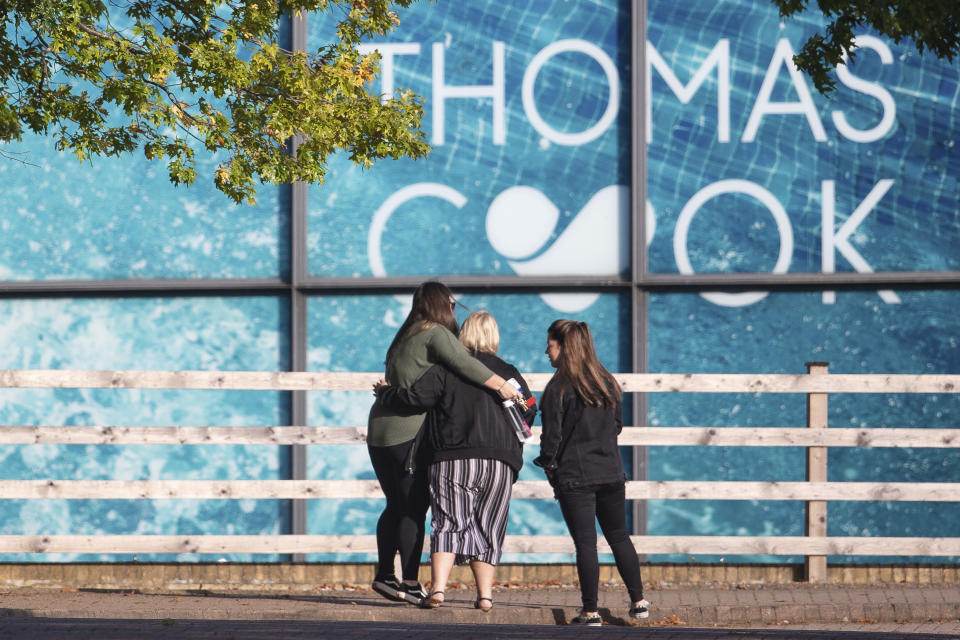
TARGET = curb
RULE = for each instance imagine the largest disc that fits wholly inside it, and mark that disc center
(547, 606)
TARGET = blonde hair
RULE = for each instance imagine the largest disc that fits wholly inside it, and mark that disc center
(479, 332)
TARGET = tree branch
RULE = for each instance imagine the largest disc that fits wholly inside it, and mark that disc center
(112, 38)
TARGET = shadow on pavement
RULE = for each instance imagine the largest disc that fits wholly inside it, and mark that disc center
(13, 625)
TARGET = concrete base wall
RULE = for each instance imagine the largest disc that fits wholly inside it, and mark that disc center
(294, 577)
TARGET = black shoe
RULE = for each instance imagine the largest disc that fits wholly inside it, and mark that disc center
(412, 593)
(593, 620)
(388, 587)
(640, 611)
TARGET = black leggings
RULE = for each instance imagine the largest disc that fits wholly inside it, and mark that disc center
(401, 525)
(582, 507)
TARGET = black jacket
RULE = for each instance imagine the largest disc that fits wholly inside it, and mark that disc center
(465, 420)
(578, 445)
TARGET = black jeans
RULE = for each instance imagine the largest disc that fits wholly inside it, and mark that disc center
(606, 504)
(401, 525)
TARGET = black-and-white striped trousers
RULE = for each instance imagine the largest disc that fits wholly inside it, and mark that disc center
(470, 499)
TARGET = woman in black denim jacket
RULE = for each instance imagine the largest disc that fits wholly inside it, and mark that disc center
(581, 417)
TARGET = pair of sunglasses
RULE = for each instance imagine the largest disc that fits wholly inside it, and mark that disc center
(454, 303)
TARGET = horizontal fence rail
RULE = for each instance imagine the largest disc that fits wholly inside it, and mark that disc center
(524, 489)
(342, 381)
(815, 438)
(631, 436)
(289, 544)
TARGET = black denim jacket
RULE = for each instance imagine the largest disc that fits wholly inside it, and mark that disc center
(578, 446)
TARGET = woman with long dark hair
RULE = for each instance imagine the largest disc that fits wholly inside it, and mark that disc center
(428, 336)
(581, 416)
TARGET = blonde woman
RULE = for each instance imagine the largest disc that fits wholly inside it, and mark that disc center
(474, 461)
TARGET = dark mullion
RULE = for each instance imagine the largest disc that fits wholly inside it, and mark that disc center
(638, 240)
(466, 283)
(135, 287)
(298, 412)
(651, 282)
(298, 313)
(801, 281)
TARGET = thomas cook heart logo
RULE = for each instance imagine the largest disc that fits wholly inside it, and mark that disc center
(520, 223)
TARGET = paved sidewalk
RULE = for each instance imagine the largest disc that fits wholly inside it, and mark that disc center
(89, 629)
(913, 609)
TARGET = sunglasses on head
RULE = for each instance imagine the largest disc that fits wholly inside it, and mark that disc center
(453, 305)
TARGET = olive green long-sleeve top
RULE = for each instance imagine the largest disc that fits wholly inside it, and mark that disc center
(416, 352)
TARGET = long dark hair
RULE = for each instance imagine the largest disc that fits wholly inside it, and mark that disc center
(431, 305)
(578, 364)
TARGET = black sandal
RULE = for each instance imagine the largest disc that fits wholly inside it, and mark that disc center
(431, 601)
(477, 605)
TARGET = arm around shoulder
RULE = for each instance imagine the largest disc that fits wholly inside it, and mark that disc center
(448, 351)
(422, 395)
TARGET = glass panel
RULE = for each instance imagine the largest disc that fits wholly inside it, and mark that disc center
(857, 334)
(749, 168)
(143, 333)
(117, 218)
(352, 333)
(517, 183)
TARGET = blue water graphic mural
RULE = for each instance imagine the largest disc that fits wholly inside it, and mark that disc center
(142, 333)
(527, 106)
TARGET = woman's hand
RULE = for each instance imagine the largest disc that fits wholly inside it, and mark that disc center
(378, 386)
(503, 387)
(509, 392)
(549, 466)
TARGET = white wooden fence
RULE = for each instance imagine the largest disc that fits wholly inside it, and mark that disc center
(817, 383)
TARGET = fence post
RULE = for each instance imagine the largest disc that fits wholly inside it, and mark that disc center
(816, 566)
